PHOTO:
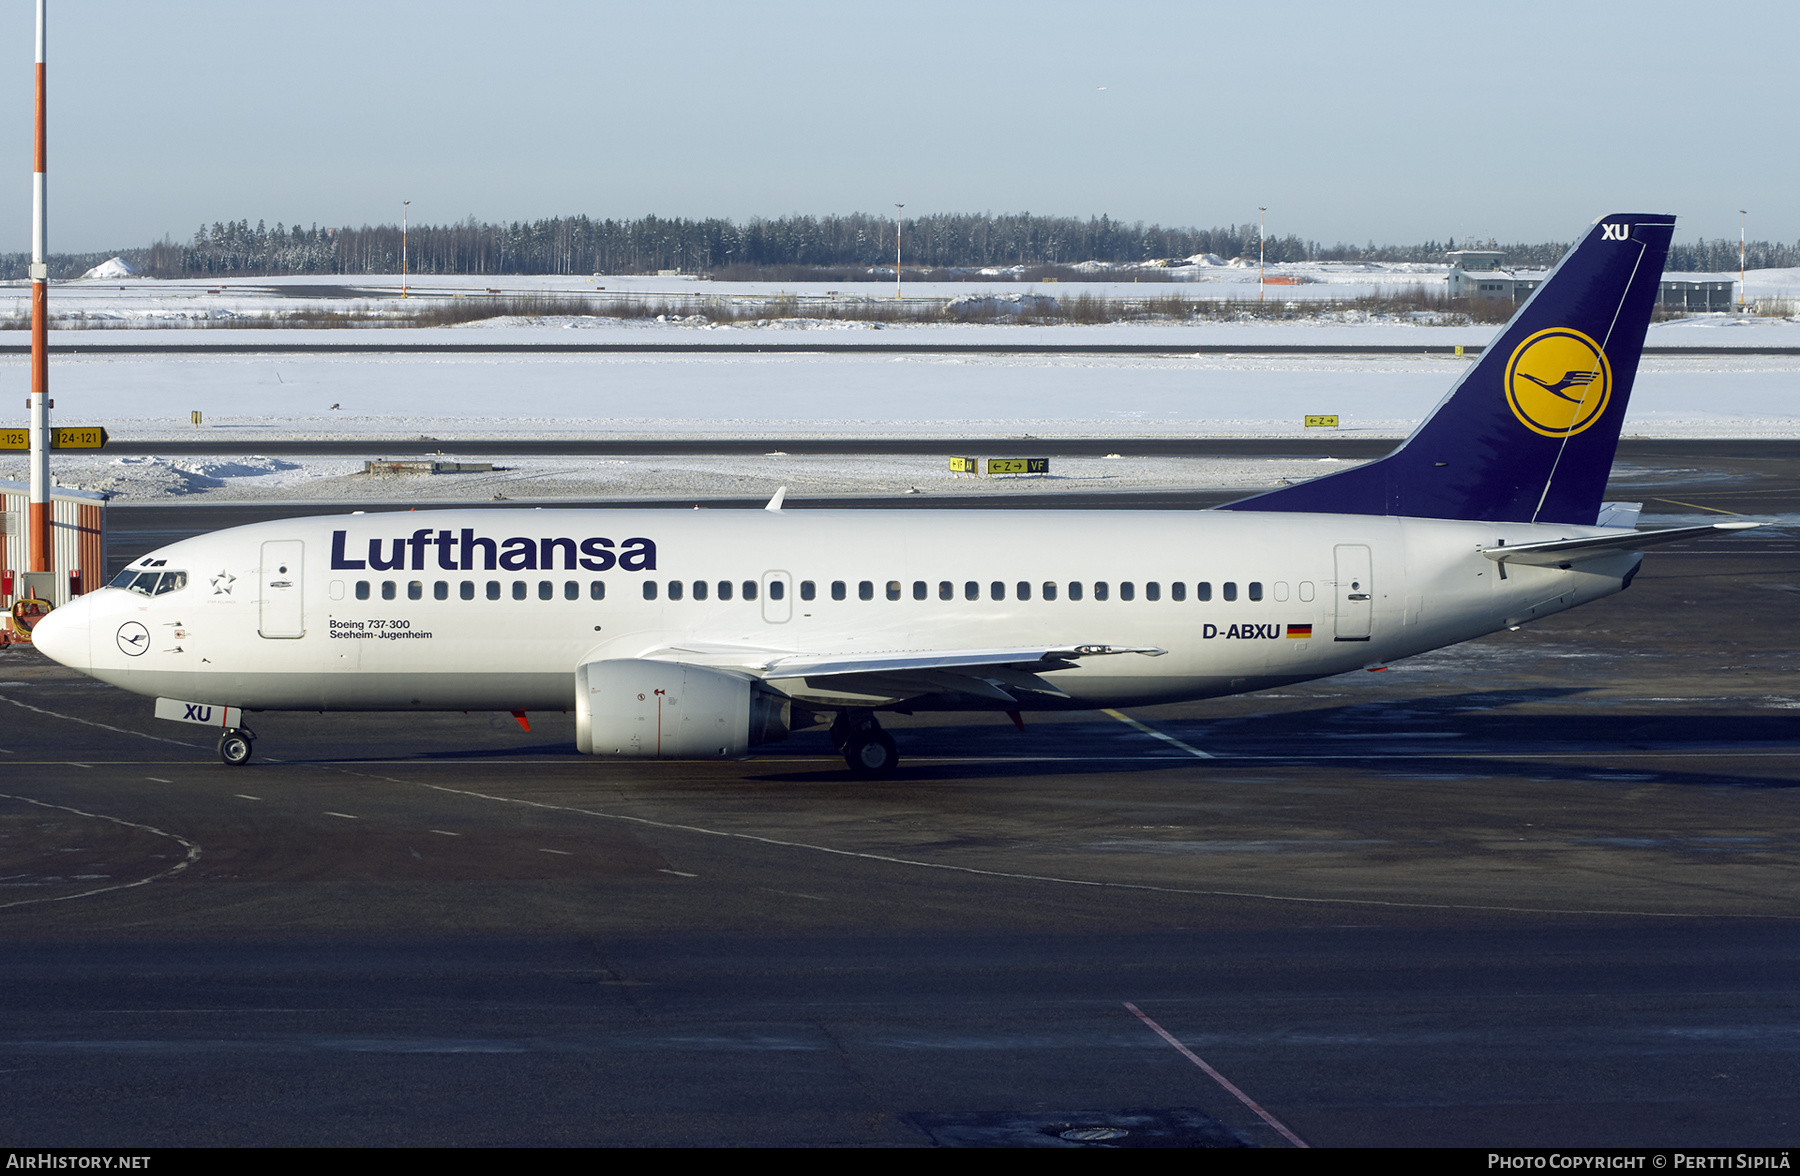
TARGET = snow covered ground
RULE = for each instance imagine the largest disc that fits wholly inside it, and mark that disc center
(448, 397)
(330, 480)
(417, 403)
(138, 301)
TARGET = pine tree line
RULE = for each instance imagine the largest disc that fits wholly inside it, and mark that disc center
(858, 242)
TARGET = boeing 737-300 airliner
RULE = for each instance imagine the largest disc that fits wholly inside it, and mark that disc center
(681, 633)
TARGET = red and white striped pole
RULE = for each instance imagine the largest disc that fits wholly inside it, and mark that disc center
(42, 552)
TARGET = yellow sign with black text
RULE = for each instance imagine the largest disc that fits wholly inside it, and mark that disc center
(79, 437)
(1321, 422)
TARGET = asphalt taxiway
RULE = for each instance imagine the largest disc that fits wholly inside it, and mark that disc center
(1538, 889)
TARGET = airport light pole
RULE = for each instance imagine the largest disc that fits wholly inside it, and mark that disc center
(403, 205)
(897, 209)
(1261, 219)
(1742, 215)
(39, 547)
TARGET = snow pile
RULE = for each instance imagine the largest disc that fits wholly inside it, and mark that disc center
(999, 305)
(160, 477)
(118, 267)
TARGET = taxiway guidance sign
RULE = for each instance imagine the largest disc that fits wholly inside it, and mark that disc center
(78, 437)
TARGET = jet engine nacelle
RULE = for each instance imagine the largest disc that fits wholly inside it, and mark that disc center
(633, 707)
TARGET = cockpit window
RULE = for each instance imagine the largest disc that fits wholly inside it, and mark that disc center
(149, 583)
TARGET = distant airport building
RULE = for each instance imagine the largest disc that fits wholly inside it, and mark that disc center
(1480, 273)
(1477, 273)
(1685, 295)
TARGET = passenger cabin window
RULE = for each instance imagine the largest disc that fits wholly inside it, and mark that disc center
(1049, 589)
(1177, 591)
(807, 590)
(1074, 589)
(837, 590)
(921, 590)
(441, 590)
(362, 590)
(674, 589)
(466, 590)
(1127, 591)
(700, 589)
(777, 589)
(865, 590)
(597, 590)
(649, 589)
(997, 591)
(1230, 590)
(725, 587)
(946, 590)
(415, 590)
(1256, 590)
(571, 590)
(1101, 591)
(520, 590)
(1024, 588)
(1203, 590)
(493, 590)
(893, 590)
(388, 590)
(971, 591)
(1153, 591)
(749, 589)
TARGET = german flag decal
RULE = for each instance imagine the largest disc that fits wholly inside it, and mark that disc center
(1299, 630)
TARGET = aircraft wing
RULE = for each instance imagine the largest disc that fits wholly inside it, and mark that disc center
(1558, 552)
(997, 675)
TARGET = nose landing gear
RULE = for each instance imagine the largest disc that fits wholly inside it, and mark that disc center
(235, 746)
(867, 749)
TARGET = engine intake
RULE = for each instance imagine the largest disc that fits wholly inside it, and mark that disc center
(636, 708)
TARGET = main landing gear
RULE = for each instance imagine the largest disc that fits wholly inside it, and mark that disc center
(868, 749)
(235, 746)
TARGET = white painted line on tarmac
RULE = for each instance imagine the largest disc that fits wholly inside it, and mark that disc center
(346, 816)
(158, 780)
(1155, 734)
(1191, 1056)
(563, 852)
(246, 796)
(193, 853)
(445, 833)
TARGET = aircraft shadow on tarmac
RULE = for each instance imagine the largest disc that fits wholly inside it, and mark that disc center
(1473, 733)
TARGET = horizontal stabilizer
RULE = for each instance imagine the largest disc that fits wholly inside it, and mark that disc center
(1564, 551)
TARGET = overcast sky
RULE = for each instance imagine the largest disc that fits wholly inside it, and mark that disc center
(1385, 122)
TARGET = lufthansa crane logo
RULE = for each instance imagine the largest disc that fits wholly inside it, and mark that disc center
(1558, 382)
(133, 639)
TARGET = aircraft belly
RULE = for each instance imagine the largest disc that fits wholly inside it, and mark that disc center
(292, 690)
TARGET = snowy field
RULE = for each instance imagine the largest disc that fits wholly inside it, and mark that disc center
(420, 403)
(197, 301)
(397, 397)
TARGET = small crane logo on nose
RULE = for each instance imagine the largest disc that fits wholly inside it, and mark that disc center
(134, 639)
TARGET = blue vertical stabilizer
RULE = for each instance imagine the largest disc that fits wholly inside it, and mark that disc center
(1528, 433)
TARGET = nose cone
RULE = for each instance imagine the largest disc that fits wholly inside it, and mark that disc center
(62, 634)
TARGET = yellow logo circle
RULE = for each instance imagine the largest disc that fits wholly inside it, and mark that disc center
(1558, 382)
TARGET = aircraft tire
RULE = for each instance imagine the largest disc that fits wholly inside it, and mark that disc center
(871, 754)
(235, 748)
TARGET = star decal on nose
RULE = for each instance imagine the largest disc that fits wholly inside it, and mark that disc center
(222, 583)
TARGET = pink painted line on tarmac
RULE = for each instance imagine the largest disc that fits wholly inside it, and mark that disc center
(1195, 1058)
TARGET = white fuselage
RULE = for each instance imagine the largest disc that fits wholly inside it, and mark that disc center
(278, 616)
